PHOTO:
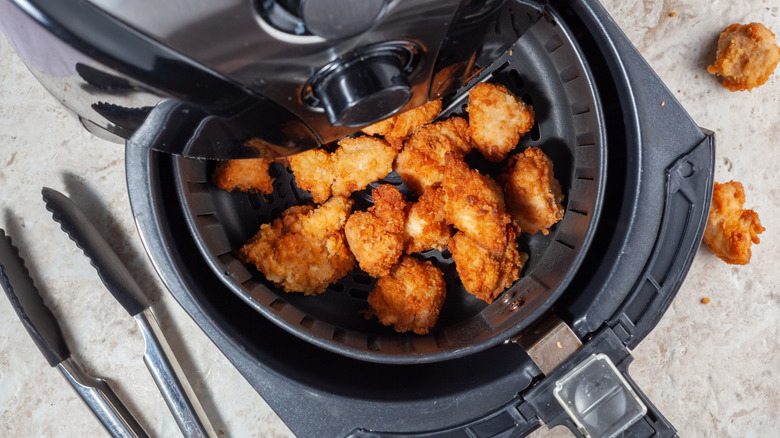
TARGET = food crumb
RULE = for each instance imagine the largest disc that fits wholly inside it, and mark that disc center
(672, 14)
(663, 103)
(705, 300)
(559, 345)
(696, 76)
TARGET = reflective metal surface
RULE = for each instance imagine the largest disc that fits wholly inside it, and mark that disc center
(102, 400)
(111, 62)
(171, 381)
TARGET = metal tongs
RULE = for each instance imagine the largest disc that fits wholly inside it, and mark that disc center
(47, 335)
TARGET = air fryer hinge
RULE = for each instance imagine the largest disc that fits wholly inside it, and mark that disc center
(548, 342)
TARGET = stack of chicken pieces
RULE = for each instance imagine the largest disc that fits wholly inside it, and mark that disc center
(451, 207)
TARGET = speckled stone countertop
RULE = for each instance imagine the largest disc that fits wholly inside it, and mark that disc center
(712, 369)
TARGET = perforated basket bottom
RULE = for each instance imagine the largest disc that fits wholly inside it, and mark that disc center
(544, 67)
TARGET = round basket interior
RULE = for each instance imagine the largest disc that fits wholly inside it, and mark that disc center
(547, 70)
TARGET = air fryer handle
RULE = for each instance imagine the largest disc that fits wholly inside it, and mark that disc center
(651, 424)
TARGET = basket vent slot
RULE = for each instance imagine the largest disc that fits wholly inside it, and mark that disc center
(278, 304)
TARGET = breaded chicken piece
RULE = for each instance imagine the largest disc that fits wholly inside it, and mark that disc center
(304, 250)
(313, 170)
(533, 195)
(375, 236)
(731, 230)
(353, 166)
(398, 128)
(497, 120)
(747, 56)
(410, 297)
(421, 162)
(482, 274)
(474, 204)
(360, 161)
(426, 227)
(248, 175)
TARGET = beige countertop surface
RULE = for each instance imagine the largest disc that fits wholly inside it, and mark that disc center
(712, 369)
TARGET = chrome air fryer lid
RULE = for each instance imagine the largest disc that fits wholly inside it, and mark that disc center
(654, 204)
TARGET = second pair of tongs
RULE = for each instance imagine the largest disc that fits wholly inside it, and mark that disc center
(43, 328)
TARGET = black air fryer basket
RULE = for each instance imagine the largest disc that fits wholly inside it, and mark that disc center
(546, 68)
(636, 173)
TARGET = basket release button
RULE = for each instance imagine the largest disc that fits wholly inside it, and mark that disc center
(598, 398)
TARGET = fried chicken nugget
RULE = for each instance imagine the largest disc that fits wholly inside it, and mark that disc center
(485, 275)
(533, 195)
(497, 120)
(731, 230)
(421, 162)
(249, 175)
(410, 297)
(474, 204)
(398, 128)
(375, 236)
(747, 56)
(353, 166)
(360, 161)
(425, 227)
(304, 250)
(313, 170)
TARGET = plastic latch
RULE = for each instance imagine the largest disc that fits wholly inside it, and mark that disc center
(598, 399)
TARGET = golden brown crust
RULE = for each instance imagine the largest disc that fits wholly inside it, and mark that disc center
(248, 175)
(731, 230)
(482, 274)
(426, 228)
(421, 163)
(353, 166)
(410, 297)
(360, 161)
(747, 56)
(497, 120)
(375, 236)
(313, 170)
(398, 128)
(533, 195)
(304, 250)
(474, 204)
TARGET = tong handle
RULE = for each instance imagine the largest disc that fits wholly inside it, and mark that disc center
(102, 401)
(171, 380)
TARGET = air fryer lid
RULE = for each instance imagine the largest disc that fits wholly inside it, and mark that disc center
(547, 69)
